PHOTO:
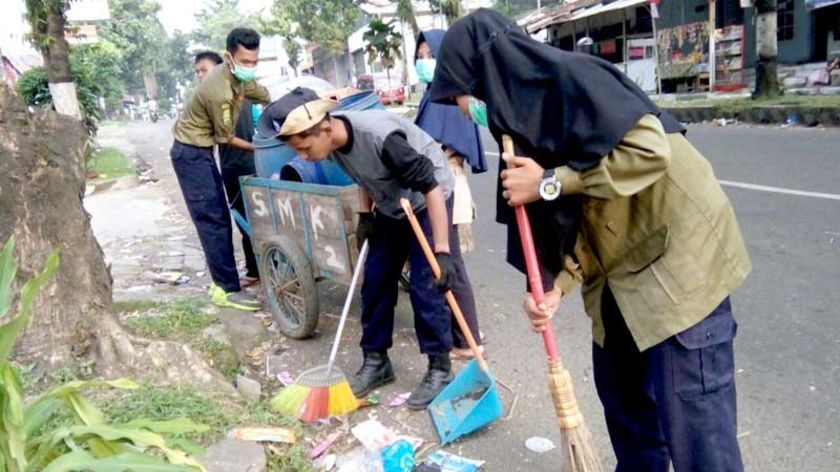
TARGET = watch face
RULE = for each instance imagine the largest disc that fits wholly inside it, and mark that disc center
(550, 189)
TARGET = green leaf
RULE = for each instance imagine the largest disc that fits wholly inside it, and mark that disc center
(114, 434)
(37, 413)
(10, 331)
(62, 391)
(7, 274)
(86, 411)
(11, 413)
(81, 460)
(186, 445)
(30, 289)
(101, 448)
(77, 386)
(175, 426)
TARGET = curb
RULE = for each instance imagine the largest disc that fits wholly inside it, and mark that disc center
(120, 183)
(768, 115)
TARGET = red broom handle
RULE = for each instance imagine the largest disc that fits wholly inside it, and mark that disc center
(531, 264)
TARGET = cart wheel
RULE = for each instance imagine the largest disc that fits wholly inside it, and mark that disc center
(289, 287)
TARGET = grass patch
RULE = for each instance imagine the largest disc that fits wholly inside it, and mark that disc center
(179, 320)
(162, 403)
(127, 306)
(109, 163)
(166, 403)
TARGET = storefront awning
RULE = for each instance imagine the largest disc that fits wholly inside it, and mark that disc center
(605, 7)
(814, 4)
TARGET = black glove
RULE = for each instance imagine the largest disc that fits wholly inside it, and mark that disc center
(447, 272)
(364, 230)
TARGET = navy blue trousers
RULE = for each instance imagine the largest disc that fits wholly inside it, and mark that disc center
(204, 194)
(393, 242)
(236, 199)
(674, 402)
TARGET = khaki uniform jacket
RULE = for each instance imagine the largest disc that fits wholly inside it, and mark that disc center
(658, 228)
(213, 111)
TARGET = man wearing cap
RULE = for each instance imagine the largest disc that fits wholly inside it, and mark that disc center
(390, 158)
(209, 119)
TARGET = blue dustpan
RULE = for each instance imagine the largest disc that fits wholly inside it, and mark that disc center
(469, 403)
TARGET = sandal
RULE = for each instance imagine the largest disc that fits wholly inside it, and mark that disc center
(459, 354)
(248, 281)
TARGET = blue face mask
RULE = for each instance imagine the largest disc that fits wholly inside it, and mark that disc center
(242, 73)
(425, 70)
(478, 112)
(245, 74)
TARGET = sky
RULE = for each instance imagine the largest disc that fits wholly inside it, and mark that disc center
(174, 14)
(180, 14)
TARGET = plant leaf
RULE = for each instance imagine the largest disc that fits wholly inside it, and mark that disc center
(186, 445)
(77, 386)
(175, 426)
(37, 413)
(7, 274)
(81, 460)
(11, 414)
(31, 287)
(115, 434)
(86, 411)
(10, 331)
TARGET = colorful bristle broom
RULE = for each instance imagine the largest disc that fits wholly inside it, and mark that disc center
(323, 391)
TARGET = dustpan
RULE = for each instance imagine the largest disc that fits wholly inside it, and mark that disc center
(469, 403)
(471, 400)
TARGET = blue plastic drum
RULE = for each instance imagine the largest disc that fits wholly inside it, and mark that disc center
(273, 159)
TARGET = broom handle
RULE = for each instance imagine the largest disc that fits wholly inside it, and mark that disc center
(344, 311)
(531, 263)
(450, 298)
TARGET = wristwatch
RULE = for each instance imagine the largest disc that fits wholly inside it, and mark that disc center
(550, 186)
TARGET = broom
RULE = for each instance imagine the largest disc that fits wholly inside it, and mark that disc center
(578, 448)
(322, 391)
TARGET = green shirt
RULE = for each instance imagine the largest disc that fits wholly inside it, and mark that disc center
(659, 230)
(212, 112)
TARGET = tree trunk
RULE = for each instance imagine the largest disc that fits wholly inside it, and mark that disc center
(150, 84)
(57, 61)
(766, 74)
(73, 320)
(349, 75)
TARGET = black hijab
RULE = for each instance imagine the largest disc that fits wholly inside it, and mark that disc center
(560, 108)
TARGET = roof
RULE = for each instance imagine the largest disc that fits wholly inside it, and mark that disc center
(572, 11)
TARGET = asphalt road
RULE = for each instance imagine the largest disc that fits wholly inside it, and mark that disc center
(783, 185)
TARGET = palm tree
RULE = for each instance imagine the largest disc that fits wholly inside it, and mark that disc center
(405, 12)
(383, 42)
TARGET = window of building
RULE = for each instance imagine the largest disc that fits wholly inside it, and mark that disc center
(784, 20)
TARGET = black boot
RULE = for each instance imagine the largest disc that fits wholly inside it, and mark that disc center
(437, 377)
(376, 371)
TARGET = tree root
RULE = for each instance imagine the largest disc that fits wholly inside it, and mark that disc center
(141, 359)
